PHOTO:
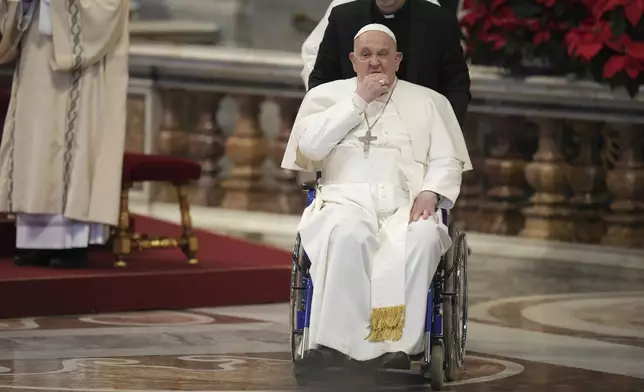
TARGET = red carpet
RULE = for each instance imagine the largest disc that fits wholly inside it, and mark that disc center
(231, 272)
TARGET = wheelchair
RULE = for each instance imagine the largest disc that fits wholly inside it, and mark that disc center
(446, 314)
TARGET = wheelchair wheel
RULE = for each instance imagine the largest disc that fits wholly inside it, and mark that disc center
(437, 367)
(300, 375)
(455, 309)
(296, 337)
(296, 300)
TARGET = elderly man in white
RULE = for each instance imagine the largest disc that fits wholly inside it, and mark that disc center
(390, 153)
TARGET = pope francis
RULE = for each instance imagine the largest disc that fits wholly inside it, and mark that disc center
(390, 153)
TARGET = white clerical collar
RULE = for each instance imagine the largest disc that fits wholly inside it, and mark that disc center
(390, 16)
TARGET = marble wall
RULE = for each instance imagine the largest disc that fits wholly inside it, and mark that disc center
(265, 24)
(272, 22)
(261, 24)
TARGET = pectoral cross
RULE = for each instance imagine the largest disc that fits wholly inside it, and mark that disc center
(366, 141)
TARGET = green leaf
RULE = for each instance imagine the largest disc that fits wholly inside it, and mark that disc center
(615, 81)
(527, 10)
(560, 9)
(632, 86)
(597, 70)
(514, 46)
(617, 23)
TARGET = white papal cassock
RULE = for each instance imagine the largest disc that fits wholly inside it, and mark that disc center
(365, 254)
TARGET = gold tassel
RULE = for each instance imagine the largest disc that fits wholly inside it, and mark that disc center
(387, 324)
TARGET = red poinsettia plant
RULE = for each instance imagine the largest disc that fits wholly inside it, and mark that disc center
(610, 41)
(521, 34)
(603, 38)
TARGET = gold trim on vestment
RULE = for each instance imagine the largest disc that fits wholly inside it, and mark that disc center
(387, 324)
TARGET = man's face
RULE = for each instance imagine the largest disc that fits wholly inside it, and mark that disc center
(375, 52)
(389, 6)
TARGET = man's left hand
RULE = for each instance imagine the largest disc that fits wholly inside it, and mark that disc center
(424, 206)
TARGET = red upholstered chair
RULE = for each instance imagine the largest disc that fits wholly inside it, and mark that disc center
(157, 168)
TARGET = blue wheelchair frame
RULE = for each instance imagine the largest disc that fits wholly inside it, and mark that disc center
(434, 361)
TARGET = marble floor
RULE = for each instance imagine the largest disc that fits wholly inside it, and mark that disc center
(535, 326)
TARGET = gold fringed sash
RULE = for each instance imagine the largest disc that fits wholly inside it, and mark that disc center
(387, 324)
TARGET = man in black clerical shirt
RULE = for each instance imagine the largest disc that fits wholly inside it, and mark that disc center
(398, 23)
(428, 37)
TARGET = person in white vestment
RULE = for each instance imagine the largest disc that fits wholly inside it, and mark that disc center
(391, 153)
(63, 138)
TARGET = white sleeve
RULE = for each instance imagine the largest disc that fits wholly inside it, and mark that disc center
(311, 45)
(444, 176)
(44, 20)
(328, 128)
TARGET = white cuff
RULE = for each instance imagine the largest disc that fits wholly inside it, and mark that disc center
(359, 103)
(44, 22)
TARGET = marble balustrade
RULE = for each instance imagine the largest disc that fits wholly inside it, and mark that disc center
(554, 158)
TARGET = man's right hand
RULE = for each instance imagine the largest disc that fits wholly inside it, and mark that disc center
(372, 86)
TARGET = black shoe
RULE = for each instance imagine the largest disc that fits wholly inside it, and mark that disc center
(70, 259)
(398, 360)
(35, 257)
(322, 357)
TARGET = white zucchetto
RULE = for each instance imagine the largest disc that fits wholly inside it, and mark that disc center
(376, 27)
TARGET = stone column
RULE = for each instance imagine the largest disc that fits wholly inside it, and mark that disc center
(172, 138)
(504, 172)
(206, 144)
(626, 188)
(467, 209)
(548, 216)
(247, 149)
(587, 179)
(288, 198)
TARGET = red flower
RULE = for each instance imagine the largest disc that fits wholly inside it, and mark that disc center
(619, 63)
(505, 17)
(633, 9)
(474, 15)
(541, 37)
(475, 12)
(583, 41)
(588, 39)
(494, 22)
(498, 40)
(636, 50)
(532, 24)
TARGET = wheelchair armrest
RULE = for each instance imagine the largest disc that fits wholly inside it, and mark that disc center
(309, 186)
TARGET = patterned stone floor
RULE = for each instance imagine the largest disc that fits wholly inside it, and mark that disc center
(535, 326)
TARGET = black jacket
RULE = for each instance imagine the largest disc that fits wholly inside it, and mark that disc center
(434, 58)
